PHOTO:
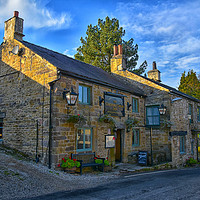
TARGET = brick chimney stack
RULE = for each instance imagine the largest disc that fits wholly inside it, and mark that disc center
(14, 28)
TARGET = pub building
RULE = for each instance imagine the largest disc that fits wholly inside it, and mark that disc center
(52, 105)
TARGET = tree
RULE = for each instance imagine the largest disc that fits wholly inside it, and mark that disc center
(190, 84)
(97, 46)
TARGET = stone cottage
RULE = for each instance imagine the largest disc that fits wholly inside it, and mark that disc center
(37, 116)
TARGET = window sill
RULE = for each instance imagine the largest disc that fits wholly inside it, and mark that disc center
(83, 150)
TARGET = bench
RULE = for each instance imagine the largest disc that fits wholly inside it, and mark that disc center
(87, 160)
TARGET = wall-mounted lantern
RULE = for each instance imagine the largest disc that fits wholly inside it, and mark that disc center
(162, 109)
(70, 96)
(128, 105)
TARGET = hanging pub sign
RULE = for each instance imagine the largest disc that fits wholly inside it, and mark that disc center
(114, 104)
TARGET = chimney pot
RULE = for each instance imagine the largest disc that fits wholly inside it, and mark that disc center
(16, 14)
(154, 65)
(120, 49)
(115, 50)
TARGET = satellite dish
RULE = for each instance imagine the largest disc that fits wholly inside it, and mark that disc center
(15, 50)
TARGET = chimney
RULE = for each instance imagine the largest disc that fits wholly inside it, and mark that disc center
(154, 65)
(16, 14)
(154, 74)
(120, 49)
(115, 50)
(117, 61)
(14, 28)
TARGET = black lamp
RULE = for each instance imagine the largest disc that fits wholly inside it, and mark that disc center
(70, 96)
(162, 109)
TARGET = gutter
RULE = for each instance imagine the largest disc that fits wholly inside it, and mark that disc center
(51, 84)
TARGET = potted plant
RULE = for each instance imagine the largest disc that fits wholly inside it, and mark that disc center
(107, 166)
(69, 165)
(76, 119)
(107, 119)
(130, 123)
(166, 123)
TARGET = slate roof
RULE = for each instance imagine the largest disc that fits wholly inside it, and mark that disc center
(171, 89)
(81, 70)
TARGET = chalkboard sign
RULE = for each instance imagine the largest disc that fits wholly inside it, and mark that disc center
(142, 157)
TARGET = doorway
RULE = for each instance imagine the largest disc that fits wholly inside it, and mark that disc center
(118, 149)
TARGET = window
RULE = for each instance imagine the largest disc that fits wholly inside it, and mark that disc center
(84, 139)
(135, 105)
(182, 144)
(1, 128)
(190, 112)
(84, 94)
(152, 116)
(198, 114)
(136, 138)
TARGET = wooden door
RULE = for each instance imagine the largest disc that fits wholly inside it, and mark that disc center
(118, 146)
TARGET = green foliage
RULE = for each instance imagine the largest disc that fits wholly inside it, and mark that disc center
(69, 163)
(107, 119)
(76, 119)
(106, 163)
(98, 161)
(97, 46)
(130, 123)
(190, 84)
(191, 161)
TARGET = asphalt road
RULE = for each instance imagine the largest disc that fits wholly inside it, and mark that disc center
(172, 184)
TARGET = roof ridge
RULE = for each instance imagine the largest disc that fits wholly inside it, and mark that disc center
(61, 54)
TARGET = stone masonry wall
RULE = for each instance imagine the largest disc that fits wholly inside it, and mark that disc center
(65, 134)
(24, 97)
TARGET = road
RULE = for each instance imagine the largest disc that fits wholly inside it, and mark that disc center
(172, 184)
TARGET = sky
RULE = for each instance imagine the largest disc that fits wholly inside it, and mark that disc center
(166, 31)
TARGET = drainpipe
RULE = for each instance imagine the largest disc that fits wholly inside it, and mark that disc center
(51, 84)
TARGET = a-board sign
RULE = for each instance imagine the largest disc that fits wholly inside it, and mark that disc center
(110, 141)
(142, 157)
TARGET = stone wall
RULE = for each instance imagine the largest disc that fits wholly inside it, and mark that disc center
(24, 97)
(65, 134)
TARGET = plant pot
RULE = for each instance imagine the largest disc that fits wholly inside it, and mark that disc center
(70, 170)
(107, 168)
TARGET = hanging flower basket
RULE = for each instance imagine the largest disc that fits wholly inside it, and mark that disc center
(166, 123)
(107, 119)
(76, 119)
(130, 123)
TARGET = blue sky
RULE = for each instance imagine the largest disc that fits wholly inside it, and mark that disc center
(167, 31)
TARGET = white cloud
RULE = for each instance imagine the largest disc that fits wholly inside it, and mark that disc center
(35, 13)
(66, 52)
(188, 62)
(166, 32)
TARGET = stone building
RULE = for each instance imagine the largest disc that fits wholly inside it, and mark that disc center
(174, 134)
(36, 119)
